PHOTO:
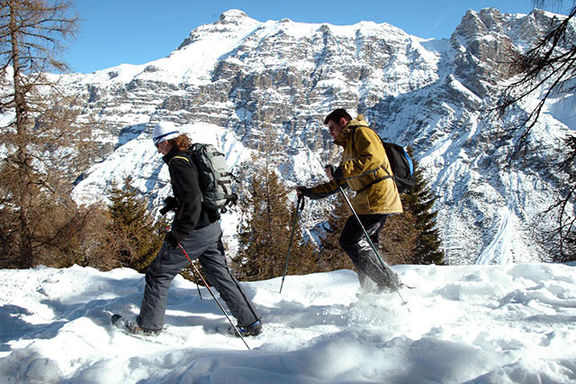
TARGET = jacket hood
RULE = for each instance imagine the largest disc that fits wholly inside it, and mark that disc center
(357, 122)
(350, 127)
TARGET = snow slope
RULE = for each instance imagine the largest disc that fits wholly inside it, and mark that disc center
(463, 324)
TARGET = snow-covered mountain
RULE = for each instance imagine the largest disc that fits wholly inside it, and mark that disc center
(231, 81)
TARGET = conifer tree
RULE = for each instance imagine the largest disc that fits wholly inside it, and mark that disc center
(133, 235)
(397, 239)
(265, 236)
(413, 238)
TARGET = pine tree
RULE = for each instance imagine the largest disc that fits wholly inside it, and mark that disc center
(397, 239)
(134, 237)
(413, 238)
(265, 236)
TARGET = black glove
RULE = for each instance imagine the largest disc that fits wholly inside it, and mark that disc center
(172, 239)
(337, 173)
(170, 205)
(301, 190)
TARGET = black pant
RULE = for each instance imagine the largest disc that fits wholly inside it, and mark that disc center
(204, 244)
(354, 243)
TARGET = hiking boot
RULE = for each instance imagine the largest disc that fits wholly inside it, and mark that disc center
(253, 329)
(390, 284)
(132, 326)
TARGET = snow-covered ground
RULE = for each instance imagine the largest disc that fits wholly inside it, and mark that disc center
(463, 324)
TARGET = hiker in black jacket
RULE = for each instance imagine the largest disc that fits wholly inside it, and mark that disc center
(197, 229)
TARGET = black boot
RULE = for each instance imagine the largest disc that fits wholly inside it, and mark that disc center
(253, 329)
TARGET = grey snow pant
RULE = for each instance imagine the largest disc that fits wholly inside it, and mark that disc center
(204, 244)
(354, 243)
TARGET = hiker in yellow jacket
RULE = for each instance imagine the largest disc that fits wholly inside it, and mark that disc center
(377, 197)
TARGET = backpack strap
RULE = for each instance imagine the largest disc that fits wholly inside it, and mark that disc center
(382, 143)
(374, 182)
(179, 157)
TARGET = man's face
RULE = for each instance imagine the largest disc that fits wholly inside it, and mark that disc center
(336, 127)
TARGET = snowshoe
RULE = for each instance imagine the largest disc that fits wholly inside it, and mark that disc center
(132, 327)
(253, 329)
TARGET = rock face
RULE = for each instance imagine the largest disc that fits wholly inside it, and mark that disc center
(243, 78)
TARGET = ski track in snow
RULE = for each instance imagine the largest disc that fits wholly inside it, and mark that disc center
(462, 324)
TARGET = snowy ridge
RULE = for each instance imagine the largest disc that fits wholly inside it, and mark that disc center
(467, 324)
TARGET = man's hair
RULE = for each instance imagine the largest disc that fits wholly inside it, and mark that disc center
(182, 142)
(336, 115)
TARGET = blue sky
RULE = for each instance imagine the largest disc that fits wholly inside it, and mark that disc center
(114, 32)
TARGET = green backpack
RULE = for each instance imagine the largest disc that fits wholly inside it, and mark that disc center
(216, 181)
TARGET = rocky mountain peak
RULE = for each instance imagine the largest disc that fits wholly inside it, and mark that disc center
(233, 16)
(477, 24)
(231, 22)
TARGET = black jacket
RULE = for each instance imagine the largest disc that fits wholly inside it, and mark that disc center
(184, 177)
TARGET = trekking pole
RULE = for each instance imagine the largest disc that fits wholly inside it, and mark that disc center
(213, 296)
(386, 267)
(198, 285)
(299, 208)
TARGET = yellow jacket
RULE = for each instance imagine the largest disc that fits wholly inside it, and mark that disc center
(362, 162)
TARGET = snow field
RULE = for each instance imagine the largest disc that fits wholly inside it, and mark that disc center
(462, 324)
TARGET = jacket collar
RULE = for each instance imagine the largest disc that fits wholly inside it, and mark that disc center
(170, 155)
(349, 129)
